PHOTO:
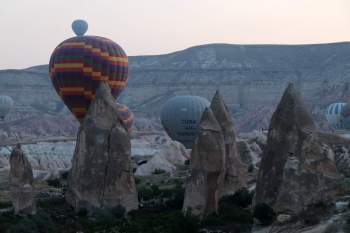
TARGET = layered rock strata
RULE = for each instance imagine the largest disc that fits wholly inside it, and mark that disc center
(234, 169)
(101, 172)
(21, 183)
(207, 167)
(297, 167)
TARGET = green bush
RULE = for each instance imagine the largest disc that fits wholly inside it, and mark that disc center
(264, 213)
(134, 169)
(118, 211)
(43, 222)
(157, 171)
(55, 183)
(241, 198)
(64, 175)
(177, 200)
(184, 222)
(26, 225)
(137, 180)
(251, 168)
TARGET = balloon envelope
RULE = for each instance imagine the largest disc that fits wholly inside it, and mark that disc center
(345, 115)
(6, 104)
(78, 65)
(333, 116)
(180, 117)
(127, 116)
(79, 27)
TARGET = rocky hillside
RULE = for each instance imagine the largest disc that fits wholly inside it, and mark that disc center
(251, 79)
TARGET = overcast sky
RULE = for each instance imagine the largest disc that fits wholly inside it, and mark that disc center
(31, 29)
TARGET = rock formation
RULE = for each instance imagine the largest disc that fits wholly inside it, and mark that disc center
(297, 167)
(207, 167)
(174, 153)
(101, 172)
(21, 183)
(234, 174)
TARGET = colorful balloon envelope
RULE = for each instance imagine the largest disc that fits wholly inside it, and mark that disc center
(180, 117)
(333, 116)
(6, 104)
(78, 65)
(127, 116)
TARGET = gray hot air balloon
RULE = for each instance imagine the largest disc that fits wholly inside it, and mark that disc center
(6, 104)
(345, 115)
(79, 27)
(180, 117)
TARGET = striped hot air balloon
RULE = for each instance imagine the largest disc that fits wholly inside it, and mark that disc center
(333, 116)
(6, 104)
(78, 65)
(180, 117)
(127, 116)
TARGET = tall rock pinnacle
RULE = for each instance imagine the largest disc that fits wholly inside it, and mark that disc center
(234, 174)
(296, 168)
(21, 182)
(206, 168)
(101, 173)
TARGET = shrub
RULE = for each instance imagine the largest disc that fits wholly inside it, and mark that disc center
(157, 171)
(241, 198)
(187, 162)
(264, 213)
(134, 169)
(55, 183)
(137, 180)
(102, 215)
(177, 200)
(64, 175)
(118, 211)
(26, 225)
(251, 168)
(83, 212)
(43, 222)
(184, 222)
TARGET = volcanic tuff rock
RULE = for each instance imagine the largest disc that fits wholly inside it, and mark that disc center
(234, 174)
(207, 167)
(101, 171)
(21, 183)
(297, 167)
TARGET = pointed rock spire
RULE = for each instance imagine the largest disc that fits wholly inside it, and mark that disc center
(21, 182)
(101, 173)
(296, 168)
(206, 168)
(234, 169)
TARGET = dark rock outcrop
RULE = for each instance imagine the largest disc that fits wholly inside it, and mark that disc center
(234, 174)
(297, 167)
(101, 172)
(21, 183)
(207, 167)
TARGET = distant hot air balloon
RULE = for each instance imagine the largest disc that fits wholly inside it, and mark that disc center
(6, 104)
(345, 115)
(180, 117)
(333, 116)
(78, 65)
(127, 116)
(79, 27)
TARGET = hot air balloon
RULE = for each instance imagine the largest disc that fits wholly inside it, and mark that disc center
(180, 117)
(333, 116)
(6, 104)
(79, 27)
(127, 116)
(78, 65)
(345, 115)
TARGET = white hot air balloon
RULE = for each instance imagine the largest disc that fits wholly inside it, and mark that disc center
(333, 116)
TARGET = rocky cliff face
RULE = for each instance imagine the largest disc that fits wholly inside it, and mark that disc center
(251, 79)
(300, 164)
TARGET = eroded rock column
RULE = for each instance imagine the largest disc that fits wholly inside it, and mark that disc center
(101, 173)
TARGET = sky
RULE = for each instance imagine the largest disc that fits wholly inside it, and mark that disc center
(31, 29)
